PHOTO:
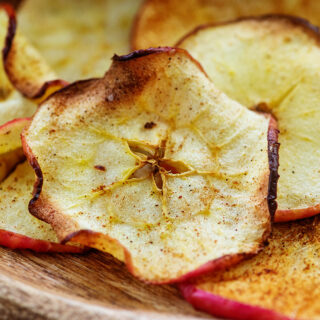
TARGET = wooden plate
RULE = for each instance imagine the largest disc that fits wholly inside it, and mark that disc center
(89, 286)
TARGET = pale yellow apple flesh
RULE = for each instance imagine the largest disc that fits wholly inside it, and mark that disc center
(154, 165)
(78, 37)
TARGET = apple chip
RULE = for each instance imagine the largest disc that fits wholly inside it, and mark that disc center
(154, 165)
(12, 104)
(281, 282)
(164, 22)
(18, 228)
(78, 37)
(23, 68)
(26, 69)
(273, 64)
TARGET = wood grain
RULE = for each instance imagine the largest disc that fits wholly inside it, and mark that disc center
(89, 286)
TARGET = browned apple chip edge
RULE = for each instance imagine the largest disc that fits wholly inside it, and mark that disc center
(309, 28)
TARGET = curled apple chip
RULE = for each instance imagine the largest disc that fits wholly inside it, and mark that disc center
(26, 69)
(281, 282)
(164, 22)
(18, 228)
(273, 63)
(80, 36)
(154, 165)
(12, 104)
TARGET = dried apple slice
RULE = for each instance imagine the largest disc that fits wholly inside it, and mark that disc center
(18, 228)
(281, 282)
(26, 69)
(154, 165)
(283, 81)
(164, 22)
(12, 104)
(78, 45)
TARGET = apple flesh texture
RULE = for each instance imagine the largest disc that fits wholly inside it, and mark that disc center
(283, 81)
(18, 228)
(64, 43)
(12, 104)
(281, 282)
(164, 22)
(153, 108)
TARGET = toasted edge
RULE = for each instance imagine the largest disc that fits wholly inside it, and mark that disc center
(273, 156)
(31, 92)
(307, 26)
(43, 210)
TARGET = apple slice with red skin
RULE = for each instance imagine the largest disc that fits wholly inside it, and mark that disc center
(154, 165)
(164, 22)
(283, 81)
(280, 283)
(18, 228)
(25, 67)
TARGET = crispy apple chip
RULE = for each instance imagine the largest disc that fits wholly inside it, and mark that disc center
(26, 69)
(281, 282)
(273, 63)
(164, 22)
(78, 37)
(12, 104)
(22, 72)
(154, 165)
(18, 228)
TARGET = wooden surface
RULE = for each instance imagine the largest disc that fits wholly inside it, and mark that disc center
(90, 286)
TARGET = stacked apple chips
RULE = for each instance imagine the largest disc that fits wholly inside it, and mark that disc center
(169, 160)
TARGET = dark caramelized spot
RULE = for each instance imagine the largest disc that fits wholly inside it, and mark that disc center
(149, 125)
(100, 168)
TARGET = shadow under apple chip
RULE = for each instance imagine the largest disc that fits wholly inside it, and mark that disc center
(154, 165)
